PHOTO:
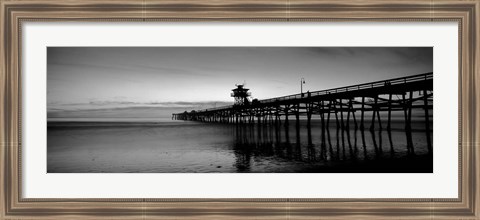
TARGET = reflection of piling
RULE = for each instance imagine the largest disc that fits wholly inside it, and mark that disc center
(349, 141)
(287, 135)
(389, 132)
(330, 148)
(338, 142)
(322, 118)
(298, 147)
(278, 137)
(355, 141)
(427, 120)
(311, 153)
(342, 126)
(408, 128)
(362, 131)
(380, 146)
(374, 141)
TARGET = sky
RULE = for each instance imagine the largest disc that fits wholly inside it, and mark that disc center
(90, 78)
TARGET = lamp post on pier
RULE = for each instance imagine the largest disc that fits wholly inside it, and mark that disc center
(302, 81)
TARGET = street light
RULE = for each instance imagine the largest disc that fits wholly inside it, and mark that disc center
(302, 81)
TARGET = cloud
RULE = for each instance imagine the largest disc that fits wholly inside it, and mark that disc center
(130, 68)
(103, 105)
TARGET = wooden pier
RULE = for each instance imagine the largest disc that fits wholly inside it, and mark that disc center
(346, 105)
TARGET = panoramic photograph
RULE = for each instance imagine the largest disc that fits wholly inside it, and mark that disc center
(240, 110)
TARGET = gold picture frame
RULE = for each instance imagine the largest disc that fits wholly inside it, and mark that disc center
(15, 12)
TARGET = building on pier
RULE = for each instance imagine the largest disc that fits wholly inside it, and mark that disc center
(241, 95)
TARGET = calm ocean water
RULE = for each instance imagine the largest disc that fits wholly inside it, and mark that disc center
(145, 146)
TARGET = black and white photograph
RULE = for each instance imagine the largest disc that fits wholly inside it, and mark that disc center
(240, 110)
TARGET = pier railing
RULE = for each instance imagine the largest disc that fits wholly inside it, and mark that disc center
(377, 84)
(353, 88)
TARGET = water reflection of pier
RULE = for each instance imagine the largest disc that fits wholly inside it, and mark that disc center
(344, 105)
(275, 141)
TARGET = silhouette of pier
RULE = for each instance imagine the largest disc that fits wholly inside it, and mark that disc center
(346, 105)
